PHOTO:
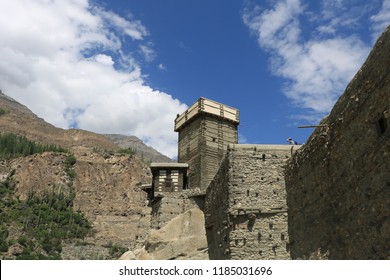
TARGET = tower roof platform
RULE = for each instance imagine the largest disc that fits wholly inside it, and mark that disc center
(207, 106)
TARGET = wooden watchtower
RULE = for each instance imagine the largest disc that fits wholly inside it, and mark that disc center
(205, 130)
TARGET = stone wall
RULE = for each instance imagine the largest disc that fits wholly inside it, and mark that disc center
(245, 208)
(338, 184)
(167, 206)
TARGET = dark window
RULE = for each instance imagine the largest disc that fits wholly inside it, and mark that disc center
(168, 184)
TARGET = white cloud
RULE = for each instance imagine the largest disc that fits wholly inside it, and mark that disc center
(242, 139)
(340, 13)
(381, 20)
(104, 59)
(132, 28)
(162, 67)
(58, 58)
(316, 69)
(147, 52)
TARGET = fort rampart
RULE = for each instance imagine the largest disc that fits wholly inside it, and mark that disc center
(338, 184)
(245, 208)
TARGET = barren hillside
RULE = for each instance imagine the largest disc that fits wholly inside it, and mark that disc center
(102, 183)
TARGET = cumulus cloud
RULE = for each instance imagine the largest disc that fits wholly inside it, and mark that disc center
(316, 66)
(65, 60)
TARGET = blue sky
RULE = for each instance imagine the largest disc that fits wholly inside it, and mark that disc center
(129, 67)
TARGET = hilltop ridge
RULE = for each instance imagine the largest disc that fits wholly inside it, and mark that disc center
(20, 120)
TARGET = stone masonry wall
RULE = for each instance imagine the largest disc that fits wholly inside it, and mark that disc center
(338, 184)
(166, 207)
(246, 209)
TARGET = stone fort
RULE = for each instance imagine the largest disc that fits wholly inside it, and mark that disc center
(327, 199)
(240, 188)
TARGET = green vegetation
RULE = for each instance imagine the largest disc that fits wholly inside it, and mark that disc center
(127, 151)
(13, 146)
(3, 111)
(69, 163)
(3, 239)
(42, 222)
(38, 225)
(116, 251)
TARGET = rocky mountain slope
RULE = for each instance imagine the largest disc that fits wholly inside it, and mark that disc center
(18, 119)
(146, 152)
(104, 184)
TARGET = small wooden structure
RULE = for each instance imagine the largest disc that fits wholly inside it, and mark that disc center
(168, 177)
(205, 130)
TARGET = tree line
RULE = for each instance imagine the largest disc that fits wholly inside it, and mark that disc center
(13, 146)
(44, 222)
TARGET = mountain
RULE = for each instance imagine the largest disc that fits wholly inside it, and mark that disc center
(146, 152)
(50, 200)
(18, 119)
